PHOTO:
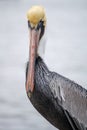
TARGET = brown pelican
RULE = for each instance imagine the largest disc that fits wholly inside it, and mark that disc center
(61, 101)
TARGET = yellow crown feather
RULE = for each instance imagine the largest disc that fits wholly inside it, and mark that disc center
(35, 14)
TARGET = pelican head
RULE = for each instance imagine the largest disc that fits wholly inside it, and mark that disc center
(36, 24)
(35, 16)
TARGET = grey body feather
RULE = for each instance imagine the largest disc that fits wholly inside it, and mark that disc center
(61, 101)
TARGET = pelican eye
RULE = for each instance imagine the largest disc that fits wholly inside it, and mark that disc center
(29, 25)
(40, 25)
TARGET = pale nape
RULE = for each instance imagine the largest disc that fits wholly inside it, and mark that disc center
(42, 45)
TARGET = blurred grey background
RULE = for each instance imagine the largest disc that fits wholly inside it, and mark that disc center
(66, 53)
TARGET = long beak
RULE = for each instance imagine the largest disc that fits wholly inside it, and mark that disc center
(34, 41)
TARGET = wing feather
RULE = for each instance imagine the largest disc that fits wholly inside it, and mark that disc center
(73, 99)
